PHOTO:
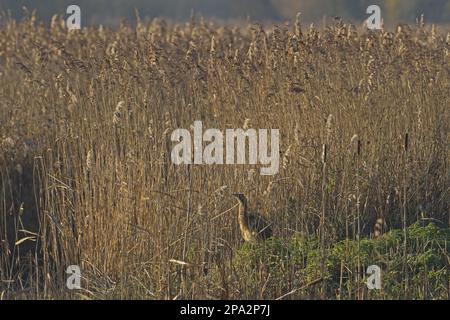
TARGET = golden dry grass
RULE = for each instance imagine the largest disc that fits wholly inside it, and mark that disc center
(85, 124)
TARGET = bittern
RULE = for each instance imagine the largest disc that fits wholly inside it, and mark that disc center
(254, 228)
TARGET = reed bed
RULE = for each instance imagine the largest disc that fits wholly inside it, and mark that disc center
(86, 176)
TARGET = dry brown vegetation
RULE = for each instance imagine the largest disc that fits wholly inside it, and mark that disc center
(86, 175)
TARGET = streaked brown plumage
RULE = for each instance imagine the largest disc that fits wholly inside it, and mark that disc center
(254, 228)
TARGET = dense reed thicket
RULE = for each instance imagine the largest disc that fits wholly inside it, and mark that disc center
(86, 176)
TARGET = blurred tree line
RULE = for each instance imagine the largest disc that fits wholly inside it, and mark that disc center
(393, 11)
(107, 11)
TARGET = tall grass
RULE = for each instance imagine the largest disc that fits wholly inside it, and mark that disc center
(86, 175)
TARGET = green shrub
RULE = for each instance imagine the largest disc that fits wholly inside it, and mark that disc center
(295, 262)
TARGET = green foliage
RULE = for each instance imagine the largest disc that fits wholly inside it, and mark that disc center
(425, 265)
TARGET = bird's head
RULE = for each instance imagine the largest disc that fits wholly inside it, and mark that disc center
(240, 196)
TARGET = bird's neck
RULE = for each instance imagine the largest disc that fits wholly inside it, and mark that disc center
(242, 215)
